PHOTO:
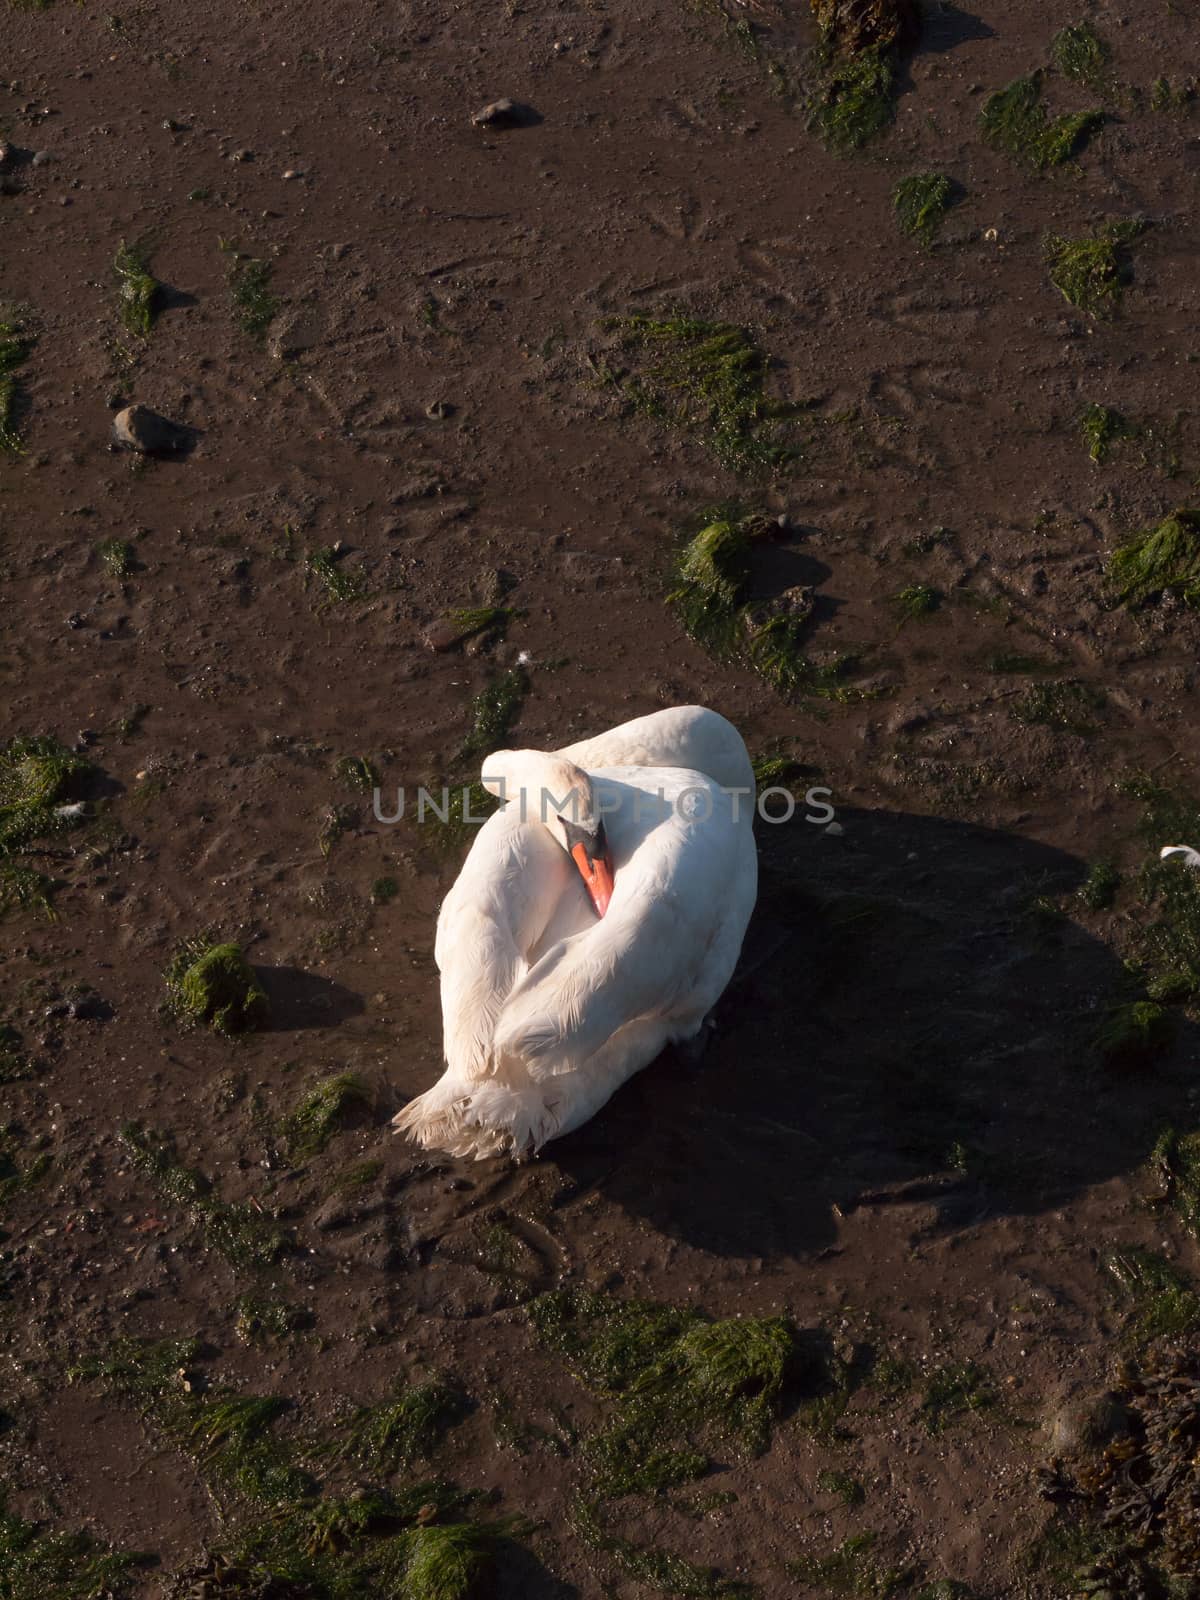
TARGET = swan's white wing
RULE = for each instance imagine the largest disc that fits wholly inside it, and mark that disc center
(515, 885)
(691, 737)
(685, 887)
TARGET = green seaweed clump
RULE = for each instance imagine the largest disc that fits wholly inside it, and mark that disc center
(244, 1234)
(1176, 1160)
(1015, 120)
(856, 99)
(1163, 560)
(920, 203)
(713, 570)
(215, 984)
(673, 1380)
(958, 1387)
(322, 1112)
(1079, 52)
(1091, 273)
(37, 777)
(1099, 888)
(139, 291)
(916, 601)
(1169, 946)
(335, 582)
(1162, 1303)
(662, 1570)
(151, 1372)
(709, 378)
(493, 711)
(254, 305)
(1066, 705)
(405, 1428)
(261, 1322)
(861, 42)
(1168, 815)
(1101, 427)
(414, 1545)
(37, 1563)
(1134, 1036)
(851, 1569)
(358, 772)
(15, 346)
(472, 621)
(117, 557)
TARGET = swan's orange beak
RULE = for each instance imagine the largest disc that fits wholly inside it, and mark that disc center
(596, 870)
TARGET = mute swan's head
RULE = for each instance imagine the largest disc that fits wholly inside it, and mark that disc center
(560, 795)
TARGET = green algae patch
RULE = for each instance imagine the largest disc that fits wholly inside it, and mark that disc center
(1081, 53)
(255, 305)
(664, 1571)
(15, 347)
(674, 1382)
(1134, 1036)
(494, 710)
(323, 1111)
(258, 1321)
(708, 379)
(851, 1568)
(1159, 1301)
(711, 599)
(139, 292)
(921, 202)
(858, 66)
(1091, 273)
(37, 777)
(334, 582)
(244, 1234)
(408, 1426)
(953, 1391)
(214, 985)
(856, 99)
(1101, 428)
(1164, 559)
(915, 602)
(1175, 1160)
(1066, 705)
(41, 1563)
(1015, 121)
(284, 1532)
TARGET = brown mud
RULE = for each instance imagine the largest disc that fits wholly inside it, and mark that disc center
(901, 1135)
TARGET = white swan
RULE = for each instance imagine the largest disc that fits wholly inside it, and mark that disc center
(597, 918)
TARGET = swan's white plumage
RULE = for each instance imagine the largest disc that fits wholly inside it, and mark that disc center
(548, 1009)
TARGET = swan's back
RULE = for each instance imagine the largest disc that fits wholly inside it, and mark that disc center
(681, 736)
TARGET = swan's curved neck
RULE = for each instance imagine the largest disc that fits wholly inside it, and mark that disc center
(555, 792)
(544, 785)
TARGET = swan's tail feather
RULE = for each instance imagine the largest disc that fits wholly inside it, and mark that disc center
(479, 1120)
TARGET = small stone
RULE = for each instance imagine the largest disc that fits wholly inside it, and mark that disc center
(242, 155)
(42, 158)
(291, 174)
(5, 153)
(1087, 1423)
(834, 830)
(138, 428)
(505, 114)
(75, 620)
(439, 409)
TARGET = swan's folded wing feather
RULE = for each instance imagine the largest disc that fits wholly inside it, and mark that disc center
(665, 951)
(510, 888)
